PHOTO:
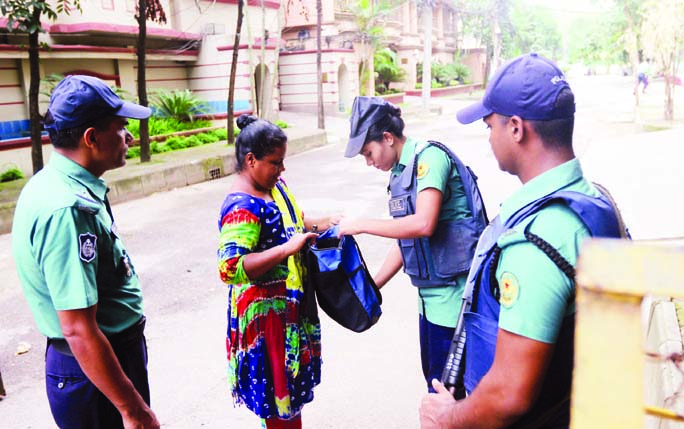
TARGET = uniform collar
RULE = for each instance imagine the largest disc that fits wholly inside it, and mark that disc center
(74, 170)
(407, 153)
(546, 183)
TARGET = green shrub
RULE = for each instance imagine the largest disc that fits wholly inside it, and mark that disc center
(12, 174)
(207, 138)
(192, 141)
(176, 143)
(280, 124)
(160, 126)
(133, 152)
(179, 104)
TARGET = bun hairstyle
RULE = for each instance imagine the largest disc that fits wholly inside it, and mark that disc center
(392, 123)
(244, 120)
(257, 136)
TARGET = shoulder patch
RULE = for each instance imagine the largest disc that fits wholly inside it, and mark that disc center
(87, 246)
(510, 289)
(422, 170)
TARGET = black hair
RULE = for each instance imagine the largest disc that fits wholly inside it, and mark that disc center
(391, 123)
(69, 138)
(257, 136)
(557, 133)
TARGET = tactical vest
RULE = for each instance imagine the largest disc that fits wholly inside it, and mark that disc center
(482, 322)
(437, 260)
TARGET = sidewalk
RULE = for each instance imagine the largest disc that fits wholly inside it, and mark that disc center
(185, 167)
(175, 169)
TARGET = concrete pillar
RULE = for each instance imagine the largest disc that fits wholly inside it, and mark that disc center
(440, 21)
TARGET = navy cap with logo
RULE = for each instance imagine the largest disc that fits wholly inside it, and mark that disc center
(526, 86)
(366, 111)
(79, 100)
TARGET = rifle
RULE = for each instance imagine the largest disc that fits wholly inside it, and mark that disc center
(452, 375)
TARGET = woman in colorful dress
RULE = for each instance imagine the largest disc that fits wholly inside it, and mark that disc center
(273, 341)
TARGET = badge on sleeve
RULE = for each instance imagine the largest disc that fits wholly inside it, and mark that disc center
(510, 289)
(422, 170)
(87, 246)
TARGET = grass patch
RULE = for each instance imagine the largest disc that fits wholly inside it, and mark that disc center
(652, 127)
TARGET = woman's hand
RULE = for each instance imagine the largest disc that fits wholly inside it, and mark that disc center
(295, 244)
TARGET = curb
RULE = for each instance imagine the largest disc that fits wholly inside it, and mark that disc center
(188, 168)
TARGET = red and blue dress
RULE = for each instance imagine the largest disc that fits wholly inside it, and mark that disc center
(274, 352)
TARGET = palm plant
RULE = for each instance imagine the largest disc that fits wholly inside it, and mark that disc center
(179, 104)
(387, 69)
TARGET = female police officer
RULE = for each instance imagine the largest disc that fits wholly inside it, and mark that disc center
(437, 216)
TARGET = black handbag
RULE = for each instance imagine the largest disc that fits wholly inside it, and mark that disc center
(343, 287)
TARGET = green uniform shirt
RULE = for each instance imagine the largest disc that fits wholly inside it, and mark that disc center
(539, 291)
(67, 253)
(440, 305)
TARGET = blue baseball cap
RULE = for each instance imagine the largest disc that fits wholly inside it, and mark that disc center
(78, 100)
(526, 86)
(366, 111)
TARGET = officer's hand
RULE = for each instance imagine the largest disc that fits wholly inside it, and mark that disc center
(334, 219)
(349, 226)
(142, 419)
(436, 407)
(297, 241)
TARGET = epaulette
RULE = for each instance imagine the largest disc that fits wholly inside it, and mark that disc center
(84, 202)
(515, 234)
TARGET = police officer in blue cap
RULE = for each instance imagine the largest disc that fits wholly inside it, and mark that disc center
(76, 274)
(437, 215)
(520, 327)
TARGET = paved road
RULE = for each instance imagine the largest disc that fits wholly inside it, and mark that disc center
(370, 380)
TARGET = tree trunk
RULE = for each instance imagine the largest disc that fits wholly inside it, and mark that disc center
(34, 87)
(370, 83)
(3, 393)
(233, 71)
(427, 55)
(669, 91)
(319, 66)
(261, 100)
(142, 83)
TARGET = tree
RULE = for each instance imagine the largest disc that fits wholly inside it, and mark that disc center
(147, 10)
(233, 72)
(630, 31)
(427, 6)
(23, 16)
(368, 14)
(597, 39)
(534, 30)
(319, 67)
(486, 20)
(663, 33)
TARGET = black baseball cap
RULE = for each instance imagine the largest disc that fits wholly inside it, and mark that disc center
(366, 111)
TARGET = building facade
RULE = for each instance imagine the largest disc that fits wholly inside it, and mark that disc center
(193, 50)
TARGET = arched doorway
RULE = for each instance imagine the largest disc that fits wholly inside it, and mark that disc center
(263, 91)
(344, 88)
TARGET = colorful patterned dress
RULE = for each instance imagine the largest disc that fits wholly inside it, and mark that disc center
(274, 353)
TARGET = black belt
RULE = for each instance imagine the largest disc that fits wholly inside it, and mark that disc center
(128, 336)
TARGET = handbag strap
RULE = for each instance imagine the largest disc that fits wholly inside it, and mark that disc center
(293, 216)
(365, 267)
